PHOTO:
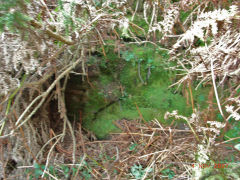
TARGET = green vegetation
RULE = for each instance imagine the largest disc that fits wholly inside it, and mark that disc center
(168, 172)
(138, 172)
(132, 97)
(59, 171)
(71, 70)
(234, 132)
(12, 15)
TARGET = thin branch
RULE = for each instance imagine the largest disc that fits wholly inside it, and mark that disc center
(214, 84)
(51, 33)
(136, 8)
(139, 72)
(48, 156)
(43, 96)
(73, 138)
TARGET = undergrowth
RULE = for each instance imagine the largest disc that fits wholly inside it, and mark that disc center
(135, 99)
(73, 68)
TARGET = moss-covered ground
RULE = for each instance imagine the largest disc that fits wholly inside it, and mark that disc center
(135, 86)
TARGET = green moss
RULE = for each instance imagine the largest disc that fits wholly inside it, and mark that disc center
(95, 101)
(155, 100)
(184, 15)
(102, 126)
(128, 114)
(153, 97)
(128, 77)
(105, 79)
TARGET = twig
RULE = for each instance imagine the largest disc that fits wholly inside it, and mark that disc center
(232, 139)
(132, 134)
(47, 144)
(148, 73)
(50, 15)
(81, 136)
(214, 84)
(135, 10)
(73, 138)
(43, 96)
(79, 166)
(107, 141)
(191, 95)
(162, 129)
(51, 33)
(165, 150)
(48, 156)
(147, 170)
(63, 98)
(63, 111)
(128, 132)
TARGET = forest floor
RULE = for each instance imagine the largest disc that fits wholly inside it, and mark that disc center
(143, 150)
